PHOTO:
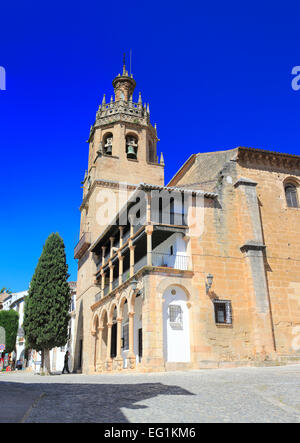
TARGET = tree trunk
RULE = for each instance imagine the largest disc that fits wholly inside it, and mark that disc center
(46, 362)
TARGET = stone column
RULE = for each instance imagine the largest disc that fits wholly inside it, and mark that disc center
(121, 228)
(111, 245)
(94, 334)
(103, 254)
(111, 276)
(99, 362)
(102, 283)
(121, 259)
(131, 354)
(148, 220)
(119, 359)
(253, 249)
(131, 248)
(149, 231)
(108, 350)
(187, 240)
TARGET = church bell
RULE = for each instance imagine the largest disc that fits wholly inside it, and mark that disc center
(131, 152)
(108, 150)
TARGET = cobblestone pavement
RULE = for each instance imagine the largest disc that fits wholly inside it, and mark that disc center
(223, 395)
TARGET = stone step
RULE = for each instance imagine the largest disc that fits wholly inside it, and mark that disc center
(177, 366)
(289, 358)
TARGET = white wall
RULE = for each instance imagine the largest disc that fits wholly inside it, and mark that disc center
(179, 250)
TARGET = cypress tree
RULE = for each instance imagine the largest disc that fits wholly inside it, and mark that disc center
(46, 315)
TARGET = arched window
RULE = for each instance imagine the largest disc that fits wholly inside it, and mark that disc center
(291, 195)
(107, 144)
(131, 147)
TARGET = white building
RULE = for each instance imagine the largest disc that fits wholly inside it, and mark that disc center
(16, 301)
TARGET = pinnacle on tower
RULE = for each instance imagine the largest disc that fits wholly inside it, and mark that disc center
(125, 73)
(124, 85)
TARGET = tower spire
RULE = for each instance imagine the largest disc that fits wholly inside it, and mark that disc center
(124, 65)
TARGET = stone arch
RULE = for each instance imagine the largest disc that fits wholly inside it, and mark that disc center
(131, 145)
(103, 320)
(95, 323)
(107, 142)
(291, 187)
(121, 304)
(165, 284)
(111, 309)
(291, 180)
(102, 317)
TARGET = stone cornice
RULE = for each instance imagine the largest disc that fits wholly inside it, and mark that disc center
(244, 182)
(139, 275)
(134, 121)
(252, 246)
(268, 158)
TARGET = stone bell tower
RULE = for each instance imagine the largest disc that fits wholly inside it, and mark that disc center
(122, 141)
(122, 150)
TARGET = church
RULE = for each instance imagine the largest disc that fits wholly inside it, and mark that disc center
(202, 272)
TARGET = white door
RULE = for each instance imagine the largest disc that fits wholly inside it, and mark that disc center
(176, 326)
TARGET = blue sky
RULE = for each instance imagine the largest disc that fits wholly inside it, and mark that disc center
(217, 75)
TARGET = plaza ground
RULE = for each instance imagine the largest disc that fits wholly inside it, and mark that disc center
(265, 394)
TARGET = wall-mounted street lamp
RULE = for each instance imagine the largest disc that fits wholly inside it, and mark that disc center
(208, 283)
(133, 285)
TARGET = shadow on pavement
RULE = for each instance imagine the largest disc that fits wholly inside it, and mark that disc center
(76, 402)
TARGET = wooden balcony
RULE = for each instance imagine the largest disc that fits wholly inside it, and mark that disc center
(83, 245)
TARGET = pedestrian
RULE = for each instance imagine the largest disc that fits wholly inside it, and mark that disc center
(66, 365)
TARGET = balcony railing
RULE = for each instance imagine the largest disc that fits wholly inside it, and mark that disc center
(83, 245)
(178, 261)
(140, 264)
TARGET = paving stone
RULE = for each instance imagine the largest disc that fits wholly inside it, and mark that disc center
(224, 395)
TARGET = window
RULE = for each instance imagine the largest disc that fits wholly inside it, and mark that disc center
(223, 312)
(291, 195)
(125, 337)
(175, 316)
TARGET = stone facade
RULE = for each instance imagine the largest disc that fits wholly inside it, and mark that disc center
(208, 276)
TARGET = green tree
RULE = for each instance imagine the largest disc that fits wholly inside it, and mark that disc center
(5, 290)
(9, 320)
(46, 315)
